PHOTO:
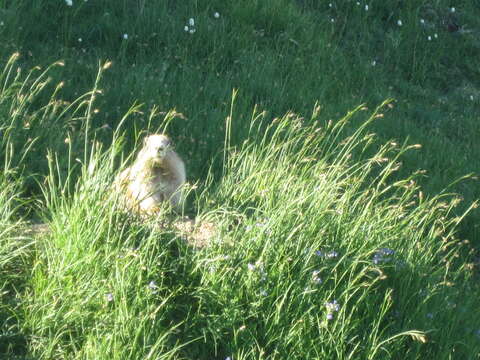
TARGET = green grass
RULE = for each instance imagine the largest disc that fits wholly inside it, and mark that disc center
(316, 185)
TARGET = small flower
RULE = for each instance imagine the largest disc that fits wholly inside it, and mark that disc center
(429, 38)
(374, 63)
(452, 9)
(216, 15)
(422, 21)
(327, 255)
(191, 22)
(185, 28)
(386, 251)
(332, 306)
(399, 22)
(109, 297)
(383, 255)
(152, 286)
(366, 7)
(192, 31)
(251, 266)
(358, 3)
(315, 277)
(471, 97)
(263, 292)
(332, 20)
(435, 36)
(79, 39)
(331, 254)
(330, 5)
(430, 315)
(125, 36)
(69, 2)
(228, 358)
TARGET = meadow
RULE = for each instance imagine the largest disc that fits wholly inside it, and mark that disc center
(333, 147)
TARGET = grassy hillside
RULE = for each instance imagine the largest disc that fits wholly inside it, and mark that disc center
(281, 55)
(333, 234)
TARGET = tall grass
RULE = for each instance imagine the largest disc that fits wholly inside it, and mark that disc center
(318, 252)
(316, 226)
(281, 56)
(15, 248)
(14, 263)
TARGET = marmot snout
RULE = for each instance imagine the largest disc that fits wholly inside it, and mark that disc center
(157, 175)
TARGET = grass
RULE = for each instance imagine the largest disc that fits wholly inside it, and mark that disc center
(336, 234)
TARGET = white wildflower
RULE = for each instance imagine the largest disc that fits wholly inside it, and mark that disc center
(366, 7)
(69, 2)
(216, 15)
(192, 31)
(429, 38)
(452, 9)
(399, 22)
(191, 22)
(435, 35)
(422, 21)
(125, 36)
(185, 28)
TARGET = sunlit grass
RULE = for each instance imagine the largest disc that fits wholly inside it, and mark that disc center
(325, 240)
(319, 251)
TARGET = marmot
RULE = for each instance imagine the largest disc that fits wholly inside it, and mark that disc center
(157, 175)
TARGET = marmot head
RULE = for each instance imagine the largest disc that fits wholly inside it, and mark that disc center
(156, 147)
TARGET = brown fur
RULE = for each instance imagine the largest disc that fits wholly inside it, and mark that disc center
(157, 175)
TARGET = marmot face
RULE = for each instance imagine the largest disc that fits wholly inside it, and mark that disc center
(156, 147)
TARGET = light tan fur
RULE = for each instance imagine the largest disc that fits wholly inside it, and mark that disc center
(157, 175)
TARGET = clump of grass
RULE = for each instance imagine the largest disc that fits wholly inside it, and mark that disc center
(319, 251)
(15, 247)
(14, 263)
(103, 286)
(332, 256)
